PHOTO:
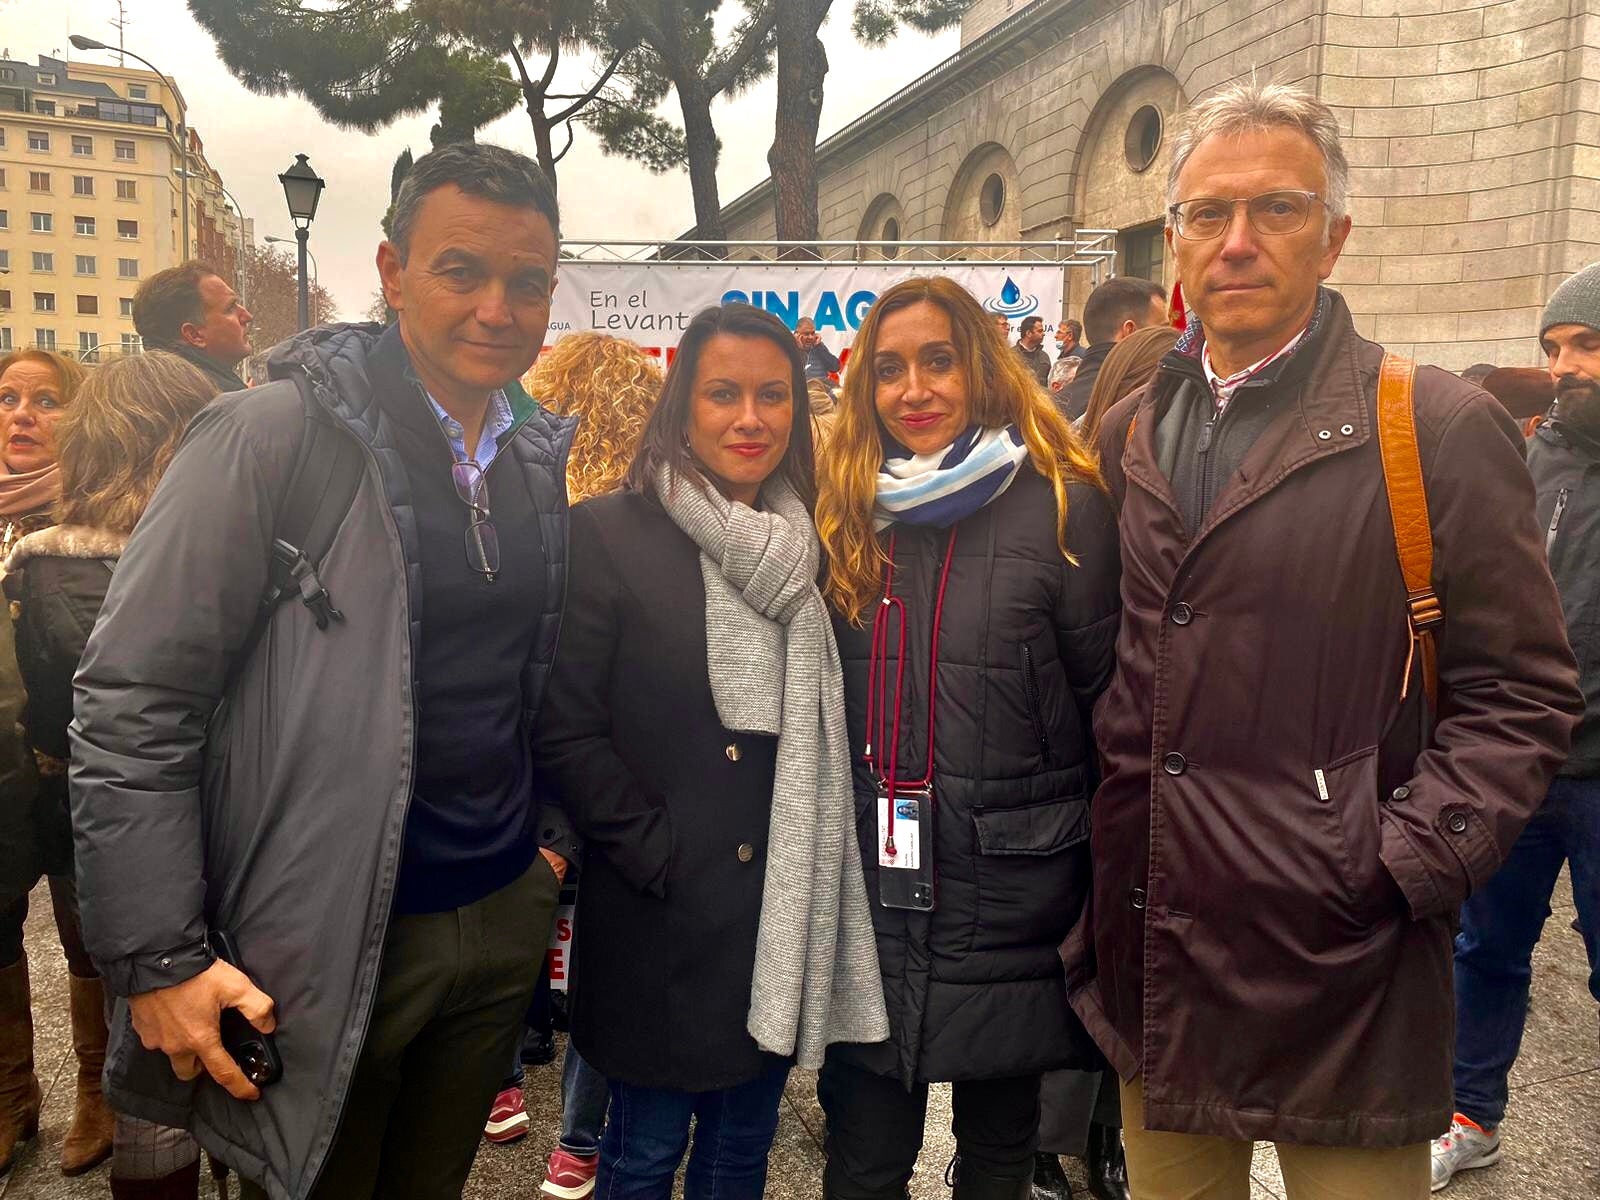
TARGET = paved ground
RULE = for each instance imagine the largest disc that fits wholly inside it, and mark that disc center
(1552, 1147)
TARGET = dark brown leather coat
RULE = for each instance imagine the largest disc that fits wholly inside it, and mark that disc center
(1276, 869)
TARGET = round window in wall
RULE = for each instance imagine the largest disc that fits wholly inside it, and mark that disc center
(890, 236)
(992, 199)
(1143, 139)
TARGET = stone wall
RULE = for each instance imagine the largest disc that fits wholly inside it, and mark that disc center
(1471, 129)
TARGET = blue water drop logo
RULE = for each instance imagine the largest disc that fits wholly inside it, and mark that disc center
(1011, 293)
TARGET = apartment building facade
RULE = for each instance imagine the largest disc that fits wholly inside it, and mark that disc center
(91, 202)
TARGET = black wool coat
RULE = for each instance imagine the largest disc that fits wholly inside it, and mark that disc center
(672, 806)
(975, 989)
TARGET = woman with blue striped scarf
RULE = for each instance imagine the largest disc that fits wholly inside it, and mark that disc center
(973, 572)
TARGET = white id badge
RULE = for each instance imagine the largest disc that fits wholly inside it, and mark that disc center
(907, 833)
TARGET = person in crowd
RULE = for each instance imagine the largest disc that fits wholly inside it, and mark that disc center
(354, 772)
(191, 311)
(1114, 310)
(1280, 844)
(1030, 349)
(696, 734)
(36, 389)
(1501, 921)
(972, 567)
(1069, 336)
(1478, 372)
(116, 439)
(610, 386)
(1002, 326)
(821, 363)
(1069, 355)
(1130, 365)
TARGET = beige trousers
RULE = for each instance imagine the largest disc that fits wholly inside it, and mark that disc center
(1188, 1166)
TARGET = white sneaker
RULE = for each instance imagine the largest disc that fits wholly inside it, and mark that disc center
(1466, 1146)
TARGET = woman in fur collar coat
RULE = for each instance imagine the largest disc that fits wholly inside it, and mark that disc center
(115, 442)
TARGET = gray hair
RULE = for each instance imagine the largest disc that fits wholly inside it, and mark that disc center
(1247, 107)
(478, 169)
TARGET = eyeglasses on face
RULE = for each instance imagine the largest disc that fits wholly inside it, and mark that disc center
(482, 542)
(1271, 214)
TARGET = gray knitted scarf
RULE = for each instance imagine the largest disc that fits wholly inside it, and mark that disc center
(774, 669)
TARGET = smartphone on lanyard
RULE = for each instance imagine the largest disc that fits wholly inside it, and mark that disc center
(905, 848)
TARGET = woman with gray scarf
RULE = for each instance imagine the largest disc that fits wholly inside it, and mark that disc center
(696, 734)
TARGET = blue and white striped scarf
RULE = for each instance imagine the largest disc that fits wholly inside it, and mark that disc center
(948, 485)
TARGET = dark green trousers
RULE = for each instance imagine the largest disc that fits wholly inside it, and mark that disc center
(446, 1021)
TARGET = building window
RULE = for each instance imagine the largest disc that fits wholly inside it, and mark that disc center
(47, 78)
(2, 179)
(43, 223)
(138, 91)
(125, 307)
(44, 339)
(88, 306)
(5, 299)
(992, 199)
(44, 302)
(7, 74)
(124, 150)
(127, 189)
(5, 260)
(82, 147)
(83, 185)
(38, 181)
(127, 268)
(83, 226)
(130, 343)
(44, 262)
(5, 338)
(2, 127)
(128, 230)
(1142, 141)
(1142, 251)
(39, 140)
(89, 347)
(45, 108)
(5, 219)
(86, 265)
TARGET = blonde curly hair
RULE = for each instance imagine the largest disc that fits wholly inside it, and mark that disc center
(611, 385)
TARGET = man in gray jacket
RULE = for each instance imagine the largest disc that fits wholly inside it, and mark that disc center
(345, 785)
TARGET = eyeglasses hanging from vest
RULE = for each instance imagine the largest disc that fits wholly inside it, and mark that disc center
(483, 544)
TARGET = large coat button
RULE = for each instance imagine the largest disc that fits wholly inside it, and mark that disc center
(1182, 614)
(1137, 898)
(1174, 764)
(1458, 822)
(746, 851)
(733, 752)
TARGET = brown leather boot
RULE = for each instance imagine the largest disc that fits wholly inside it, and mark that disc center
(88, 1141)
(182, 1184)
(19, 1090)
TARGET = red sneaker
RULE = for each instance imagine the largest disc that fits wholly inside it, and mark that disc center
(508, 1120)
(569, 1176)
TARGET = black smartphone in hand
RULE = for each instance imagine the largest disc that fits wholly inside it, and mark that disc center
(254, 1051)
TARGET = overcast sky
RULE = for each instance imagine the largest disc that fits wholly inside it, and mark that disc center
(251, 138)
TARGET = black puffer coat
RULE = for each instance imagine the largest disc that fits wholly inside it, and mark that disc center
(975, 988)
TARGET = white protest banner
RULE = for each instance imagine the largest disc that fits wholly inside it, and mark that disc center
(652, 303)
(558, 955)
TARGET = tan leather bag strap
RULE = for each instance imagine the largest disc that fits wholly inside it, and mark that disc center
(1408, 509)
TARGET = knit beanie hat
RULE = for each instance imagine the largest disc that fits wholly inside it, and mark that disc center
(1575, 302)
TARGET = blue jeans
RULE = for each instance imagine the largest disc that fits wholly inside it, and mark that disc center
(1501, 924)
(649, 1129)
(584, 1097)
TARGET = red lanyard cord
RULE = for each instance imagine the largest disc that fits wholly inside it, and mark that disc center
(878, 678)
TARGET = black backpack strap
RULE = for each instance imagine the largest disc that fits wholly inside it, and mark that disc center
(327, 472)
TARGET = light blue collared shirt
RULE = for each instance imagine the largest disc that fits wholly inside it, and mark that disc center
(497, 422)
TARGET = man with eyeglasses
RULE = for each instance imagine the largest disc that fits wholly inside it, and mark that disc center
(1287, 822)
(345, 786)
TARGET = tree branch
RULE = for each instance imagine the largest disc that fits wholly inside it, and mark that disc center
(570, 138)
(522, 70)
(573, 110)
(550, 69)
(721, 77)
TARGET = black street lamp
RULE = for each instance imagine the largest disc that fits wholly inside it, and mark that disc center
(302, 188)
